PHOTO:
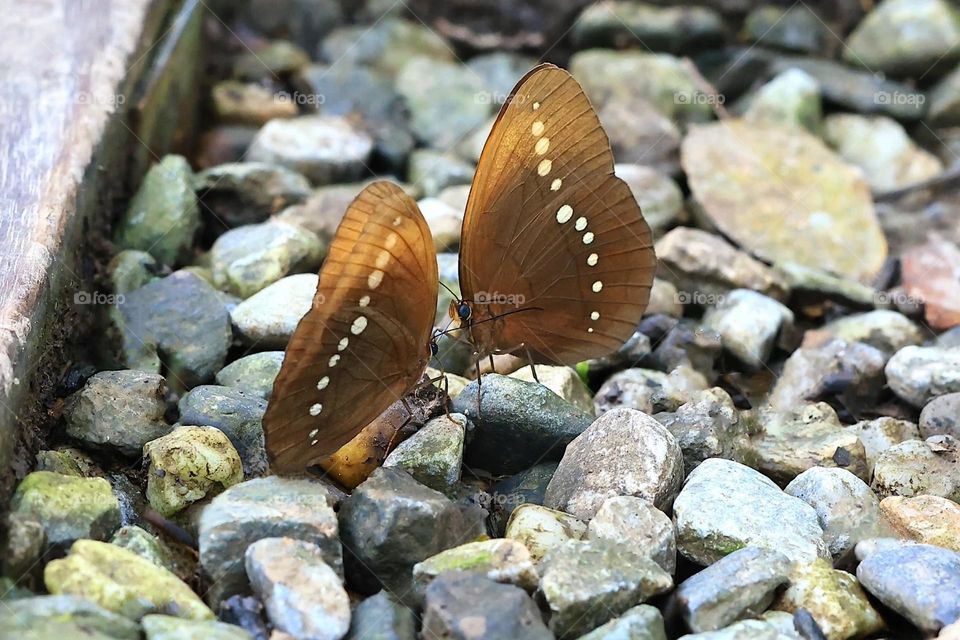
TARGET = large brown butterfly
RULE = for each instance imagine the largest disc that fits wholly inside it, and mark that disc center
(556, 262)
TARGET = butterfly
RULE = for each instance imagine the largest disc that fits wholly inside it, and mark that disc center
(556, 261)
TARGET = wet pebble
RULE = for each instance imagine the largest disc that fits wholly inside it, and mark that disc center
(248, 259)
(748, 324)
(234, 412)
(391, 522)
(647, 390)
(325, 149)
(658, 195)
(145, 545)
(268, 318)
(709, 426)
(919, 374)
(916, 467)
(925, 518)
(790, 99)
(880, 434)
(725, 506)
(846, 507)
(303, 596)
(563, 381)
(638, 525)
(519, 423)
(526, 487)
(739, 585)
(381, 617)
(161, 627)
(501, 560)
(642, 622)
(434, 454)
(886, 330)
(63, 616)
(920, 582)
(542, 530)
(178, 323)
(585, 584)
(270, 507)
(624, 452)
(254, 373)
(131, 269)
(463, 605)
(66, 507)
(433, 171)
(188, 464)
(118, 411)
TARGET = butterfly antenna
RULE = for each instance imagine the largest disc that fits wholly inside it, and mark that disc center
(499, 315)
(450, 291)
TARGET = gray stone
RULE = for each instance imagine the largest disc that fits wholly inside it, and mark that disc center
(303, 596)
(915, 467)
(188, 464)
(881, 147)
(463, 605)
(322, 211)
(391, 522)
(797, 28)
(386, 46)
(364, 96)
(131, 269)
(563, 381)
(811, 435)
(303, 21)
(919, 374)
(852, 372)
(663, 80)
(640, 526)
(725, 506)
(253, 374)
(444, 221)
(527, 487)
(270, 507)
(68, 508)
(704, 267)
(268, 318)
(236, 413)
(624, 452)
(276, 58)
(145, 545)
(118, 411)
(819, 284)
(519, 424)
(941, 416)
(880, 434)
(178, 323)
(433, 171)
(633, 351)
(846, 507)
(640, 133)
(247, 259)
(709, 426)
(791, 99)
(860, 91)
(944, 110)
(433, 455)
(160, 627)
(325, 149)
(658, 195)
(748, 323)
(40, 617)
(619, 23)
(380, 617)
(642, 622)
(542, 530)
(906, 37)
(647, 390)
(500, 559)
(764, 629)
(500, 71)
(444, 100)
(886, 330)
(690, 346)
(68, 461)
(739, 585)
(833, 599)
(26, 543)
(585, 584)
(240, 193)
(163, 215)
(920, 582)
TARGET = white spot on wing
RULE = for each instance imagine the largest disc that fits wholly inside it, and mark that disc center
(564, 213)
(316, 409)
(313, 434)
(364, 301)
(543, 144)
(334, 359)
(580, 224)
(544, 167)
(594, 315)
(597, 286)
(537, 128)
(391, 241)
(555, 185)
(322, 383)
(382, 259)
(592, 260)
(588, 237)
(358, 326)
(343, 344)
(536, 105)
(374, 279)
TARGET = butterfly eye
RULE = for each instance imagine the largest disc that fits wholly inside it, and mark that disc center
(463, 311)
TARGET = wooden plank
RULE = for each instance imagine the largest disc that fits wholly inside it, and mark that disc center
(69, 71)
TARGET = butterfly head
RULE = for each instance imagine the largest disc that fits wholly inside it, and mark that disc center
(461, 312)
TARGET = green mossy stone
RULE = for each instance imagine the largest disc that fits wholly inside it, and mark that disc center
(69, 508)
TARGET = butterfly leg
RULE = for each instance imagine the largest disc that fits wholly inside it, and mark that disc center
(533, 367)
(493, 368)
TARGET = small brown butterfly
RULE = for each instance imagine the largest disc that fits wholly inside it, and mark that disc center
(556, 261)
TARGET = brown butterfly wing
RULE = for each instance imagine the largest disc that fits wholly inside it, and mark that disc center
(548, 223)
(364, 343)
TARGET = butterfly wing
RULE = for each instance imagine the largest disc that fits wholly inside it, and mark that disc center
(550, 228)
(364, 343)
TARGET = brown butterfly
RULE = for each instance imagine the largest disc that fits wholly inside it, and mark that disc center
(366, 340)
(556, 261)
